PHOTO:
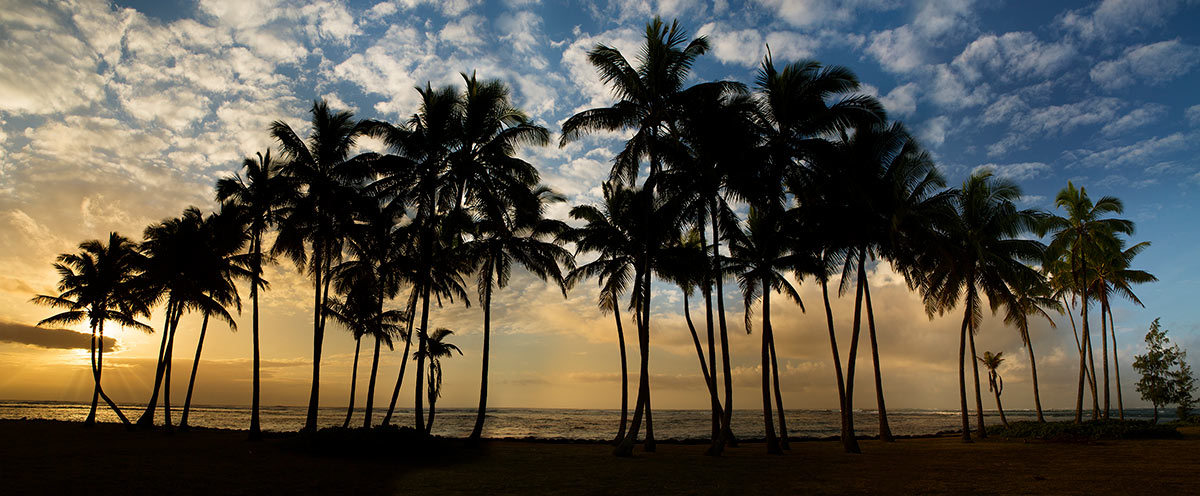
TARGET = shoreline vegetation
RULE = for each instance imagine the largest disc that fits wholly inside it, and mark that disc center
(47, 457)
(800, 176)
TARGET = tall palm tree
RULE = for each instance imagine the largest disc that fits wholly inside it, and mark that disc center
(436, 348)
(99, 284)
(606, 232)
(1030, 296)
(259, 196)
(1114, 276)
(979, 253)
(507, 231)
(1073, 237)
(759, 257)
(224, 237)
(649, 96)
(329, 179)
(995, 382)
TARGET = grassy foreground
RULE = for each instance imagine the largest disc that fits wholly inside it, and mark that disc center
(46, 457)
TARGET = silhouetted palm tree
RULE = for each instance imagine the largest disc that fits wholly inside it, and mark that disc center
(606, 233)
(1074, 236)
(995, 382)
(759, 257)
(328, 178)
(223, 236)
(507, 231)
(436, 348)
(258, 196)
(1030, 296)
(980, 253)
(98, 284)
(1113, 276)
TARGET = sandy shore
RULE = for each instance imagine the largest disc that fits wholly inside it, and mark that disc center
(46, 457)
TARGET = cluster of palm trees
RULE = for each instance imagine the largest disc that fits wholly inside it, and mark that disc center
(797, 177)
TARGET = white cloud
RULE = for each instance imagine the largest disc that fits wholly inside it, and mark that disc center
(933, 132)
(1153, 64)
(44, 68)
(1145, 153)
(952, 92)
(902, 100)
(897, 50)
(806, 13)
(1118, 17)
(1193, 114)
(1020, 171)
(1136, 118)
(748, 47)
(330, 21)
(937, 18)
(464, 33)
(583, 75)
(1013, 56)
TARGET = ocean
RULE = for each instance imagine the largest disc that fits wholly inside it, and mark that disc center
(554, 424)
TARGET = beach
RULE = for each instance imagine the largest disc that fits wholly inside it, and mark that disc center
(50, 457)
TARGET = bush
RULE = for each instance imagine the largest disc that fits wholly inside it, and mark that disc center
(1092, 430)
(377, 442)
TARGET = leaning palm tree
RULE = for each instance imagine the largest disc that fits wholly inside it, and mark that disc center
(224, 236)
(759, 257)
(979, 253)
(606, 233)
(995, 382)
(1030, 296)
(650, 96)
(436, 348)
(1114, 276)
(329, 180)
(98, 284)
(259, 196)
(1082, 231)
(507, 231)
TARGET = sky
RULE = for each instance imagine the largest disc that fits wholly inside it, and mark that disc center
(114, 116)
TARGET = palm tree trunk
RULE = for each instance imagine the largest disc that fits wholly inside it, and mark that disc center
(169, 359)
(771, 440)
(649, 445)
(371, 386)
(147, 418)
(712, 387)
(477, 431)
(625, 447)
(418, 408)
(1104, 351)
(999, 408)
(1091, 381)
(783, 430)
(624, 375)
(96, 375)
(1037, 399)
(353, 382)
(978, 396)
(1116, 366)
(432, 402)
(858, 300)
(1092, 370)
(885, 431)
(726, 438)
(412, 310)
(255, 428)
(310, 421)
(91, 418)
(706, 290)
(849, 442)
(962, 372)
(1082, 347)
(187, 400)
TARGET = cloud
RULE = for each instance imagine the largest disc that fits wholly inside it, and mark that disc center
(747, 47)
(1117, 17)
(897, 50)
(1151, 64)
(952, 92)
(1013, 56)
(38, 46)
(1139, 117)
(1020, 171)
(63, 339)
(902, 100)
(808, 13)
(1144, 153)
(933, 133)
(1193, 114)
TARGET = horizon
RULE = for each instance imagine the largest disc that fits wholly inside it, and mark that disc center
(1042, 95)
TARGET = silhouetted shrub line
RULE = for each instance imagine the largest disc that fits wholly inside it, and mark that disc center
(1094, 430)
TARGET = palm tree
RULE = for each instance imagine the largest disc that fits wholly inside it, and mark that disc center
(995, 382)
(606, 232)
(1115, 276)
(650, 97)
(759, 256)
(259, 196)
(328, 179)
(507, 231)
(979, 253)
(799, 106)
(1030, 296)
(436, 348)
(223, 236)
(1074, 236)
(99, 284)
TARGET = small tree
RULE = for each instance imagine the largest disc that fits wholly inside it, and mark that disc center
(1166, 377)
